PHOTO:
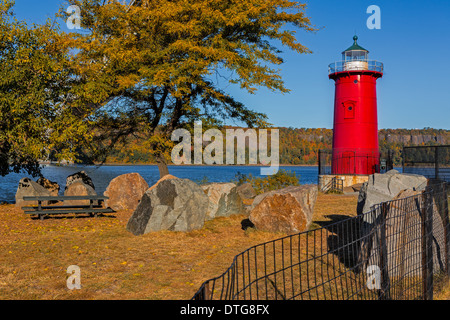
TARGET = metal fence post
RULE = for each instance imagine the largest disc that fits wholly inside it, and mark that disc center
(403, 159)
(385, 281)
(436, 162)
(319, 160)
(440, 199)
(427, 245)
(204, 293)
(443, 212)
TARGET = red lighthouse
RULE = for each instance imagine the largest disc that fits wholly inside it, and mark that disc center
(355, 128)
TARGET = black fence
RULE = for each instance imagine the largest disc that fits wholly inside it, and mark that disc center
(429, 161)
(353, 161)
(324, 162)
(395, 251)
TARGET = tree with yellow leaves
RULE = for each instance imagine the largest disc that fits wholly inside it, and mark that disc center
(36, 118)
(151, 64)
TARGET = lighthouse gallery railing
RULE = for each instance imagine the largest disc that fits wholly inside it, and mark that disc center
(356, 65)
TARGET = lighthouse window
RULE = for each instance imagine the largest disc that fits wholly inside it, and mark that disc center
(356, 81)
(355, 55)
(349, 111)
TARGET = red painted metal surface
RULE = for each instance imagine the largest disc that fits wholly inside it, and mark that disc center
(355, 129)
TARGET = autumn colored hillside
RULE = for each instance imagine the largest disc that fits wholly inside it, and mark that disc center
(300, 146)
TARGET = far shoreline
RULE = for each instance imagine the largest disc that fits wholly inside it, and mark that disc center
(176, 165)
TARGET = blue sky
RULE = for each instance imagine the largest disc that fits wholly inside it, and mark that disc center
(413, 43)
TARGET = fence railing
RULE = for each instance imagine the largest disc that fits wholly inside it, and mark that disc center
(363, 65)
(334, 185)
(352, 162)
(429, 161)
(391, 252)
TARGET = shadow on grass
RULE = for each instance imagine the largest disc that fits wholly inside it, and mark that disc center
(68, 217)
(344, 239)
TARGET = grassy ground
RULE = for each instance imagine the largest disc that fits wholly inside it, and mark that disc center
(115, 264)
(443, 293)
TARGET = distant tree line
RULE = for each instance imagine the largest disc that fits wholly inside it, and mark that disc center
(300, 146)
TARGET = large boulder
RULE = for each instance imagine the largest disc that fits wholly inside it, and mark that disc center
(247, 193)
(385, 187)
(125, 191)
(403, 234)
(79, 188)
(403, 237)
(52, 187)
(79, 177)
(29, 188)
(287, 210)
(173, 204)
(166, 177)
(224, 200)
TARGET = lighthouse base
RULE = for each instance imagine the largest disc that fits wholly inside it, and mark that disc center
(326, 182)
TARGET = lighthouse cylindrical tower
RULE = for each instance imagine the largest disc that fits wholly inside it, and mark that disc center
(355, 127)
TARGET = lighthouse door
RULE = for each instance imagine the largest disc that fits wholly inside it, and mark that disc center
(348, 162)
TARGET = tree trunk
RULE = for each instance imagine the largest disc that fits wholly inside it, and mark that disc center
(162, 166)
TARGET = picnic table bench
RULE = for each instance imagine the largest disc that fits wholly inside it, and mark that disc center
(43, 210)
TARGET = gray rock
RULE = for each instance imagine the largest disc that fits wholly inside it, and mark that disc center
(224, 200)
(247, 194)
(51, 186)
(402, 226)
(404, 237)
(246, 191)
(174, 204)
(385, 187)
(29, 188)
(79, 177)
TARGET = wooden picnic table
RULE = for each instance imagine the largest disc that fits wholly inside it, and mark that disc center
(43, 210)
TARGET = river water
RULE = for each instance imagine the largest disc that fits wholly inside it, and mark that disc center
(102, 175)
